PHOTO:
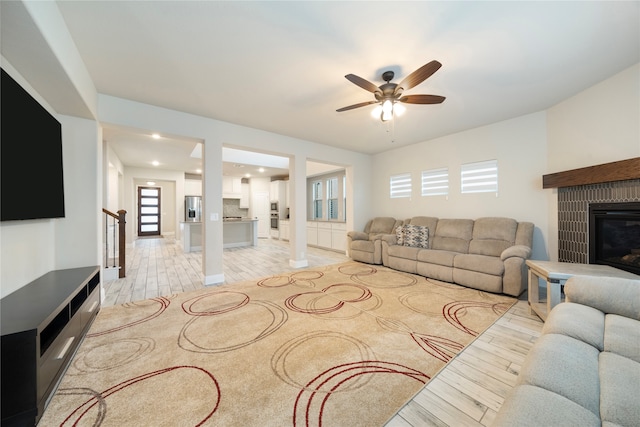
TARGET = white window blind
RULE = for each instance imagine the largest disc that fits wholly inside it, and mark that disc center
(479, 177)
(317, 199)
(332, 198)
(435, 182)
(400, 186)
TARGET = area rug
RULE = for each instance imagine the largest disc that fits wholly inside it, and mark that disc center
(341, 345)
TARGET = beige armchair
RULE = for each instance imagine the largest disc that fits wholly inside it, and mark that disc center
(366, 246)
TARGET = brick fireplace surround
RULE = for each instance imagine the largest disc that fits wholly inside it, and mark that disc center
(573, 214)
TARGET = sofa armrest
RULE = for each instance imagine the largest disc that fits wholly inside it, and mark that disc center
(379, 236)
(520, 251)
(358, 235)
(390, 239)
(611, 295)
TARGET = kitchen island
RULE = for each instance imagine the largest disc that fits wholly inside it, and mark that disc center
(238, 232)
(191, 232)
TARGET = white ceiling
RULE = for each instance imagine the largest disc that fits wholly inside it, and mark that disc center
(280, 66)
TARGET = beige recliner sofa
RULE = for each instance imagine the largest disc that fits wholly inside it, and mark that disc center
(366, 246)
(584, 370)
(487, 253)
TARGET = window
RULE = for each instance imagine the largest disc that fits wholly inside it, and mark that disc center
(317, 199)
(344, 198)
(435, 182)
(480, 177)
(332, 198)
(400, 186)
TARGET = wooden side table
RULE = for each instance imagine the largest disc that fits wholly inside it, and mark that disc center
(556, 274)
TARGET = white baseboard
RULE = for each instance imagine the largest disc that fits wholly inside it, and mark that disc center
(299, 263)
(215, 279)
(109, 274)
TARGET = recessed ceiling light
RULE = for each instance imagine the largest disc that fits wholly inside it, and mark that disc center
(261, 170)
(155, 163)
(198, 170)
(155, 135)
(248, 175)
(151, 183)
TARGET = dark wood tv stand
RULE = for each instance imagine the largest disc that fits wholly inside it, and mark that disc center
(42, 324)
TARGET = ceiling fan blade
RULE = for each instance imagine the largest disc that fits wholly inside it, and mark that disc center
(422, 99)
(351, 107)
(419, 75)
(364, 84)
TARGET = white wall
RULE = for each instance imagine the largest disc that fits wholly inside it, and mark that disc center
(598, 125)
(32, 248)
(78, 235)
(519, 146)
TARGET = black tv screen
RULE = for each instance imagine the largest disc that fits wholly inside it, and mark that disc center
(31, 178)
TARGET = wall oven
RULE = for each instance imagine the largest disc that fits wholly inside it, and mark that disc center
(274, 221)
(274, 207)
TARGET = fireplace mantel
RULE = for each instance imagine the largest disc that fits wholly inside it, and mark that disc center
(607, 172)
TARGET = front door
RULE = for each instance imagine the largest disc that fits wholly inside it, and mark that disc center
(148, 211)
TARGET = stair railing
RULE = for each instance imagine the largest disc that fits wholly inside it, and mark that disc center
(118, 241)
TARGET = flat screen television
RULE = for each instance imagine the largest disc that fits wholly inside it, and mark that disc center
(31, 173)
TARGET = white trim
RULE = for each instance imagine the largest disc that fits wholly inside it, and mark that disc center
(215, 279)
(298, 264)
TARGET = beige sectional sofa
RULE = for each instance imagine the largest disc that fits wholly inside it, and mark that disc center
(366, 245)
(584, 370)
(487, 253)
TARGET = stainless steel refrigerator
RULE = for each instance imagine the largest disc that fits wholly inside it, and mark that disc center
(193, 209)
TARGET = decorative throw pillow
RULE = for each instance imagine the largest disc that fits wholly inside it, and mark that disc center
(416, 236)
(400, 235)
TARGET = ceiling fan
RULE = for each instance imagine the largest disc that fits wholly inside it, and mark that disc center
(388, 94)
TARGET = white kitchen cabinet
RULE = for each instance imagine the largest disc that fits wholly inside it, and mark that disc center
(284, 230)
(327, 235)
(339, 236)
(287, 199)
(324, 234)
(192, 187)
(231, 187)
(278, 192)
(244, 196)
(312, 233)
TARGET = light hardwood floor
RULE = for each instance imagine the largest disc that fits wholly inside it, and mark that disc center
(467, 392)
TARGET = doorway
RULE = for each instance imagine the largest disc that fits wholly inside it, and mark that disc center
(149, 211)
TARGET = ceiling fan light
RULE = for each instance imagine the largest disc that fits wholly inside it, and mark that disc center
(399, 109)
(387, 111)
(376, 112)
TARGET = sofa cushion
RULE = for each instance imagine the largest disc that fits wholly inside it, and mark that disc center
(480, 263)
(619, 383)
(427, 221)
(565, 366)
(400, 235)
(453, 235)
(382, 225)
(433, 256)
(530, 406)
(622, 336)
(491, 236)
(578, 321)
(416, 236)
(596, 292)
(406, 252)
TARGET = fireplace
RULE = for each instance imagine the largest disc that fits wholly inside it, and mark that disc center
(614, 235)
